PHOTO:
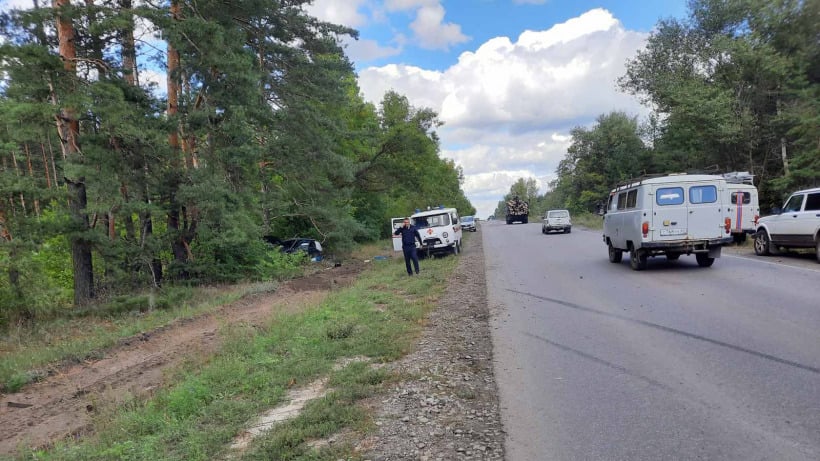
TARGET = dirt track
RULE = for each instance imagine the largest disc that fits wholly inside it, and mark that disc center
(64, 404)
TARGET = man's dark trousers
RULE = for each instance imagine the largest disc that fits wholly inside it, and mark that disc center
(410, 255)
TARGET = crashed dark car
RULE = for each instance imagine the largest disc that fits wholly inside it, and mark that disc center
(310, 246)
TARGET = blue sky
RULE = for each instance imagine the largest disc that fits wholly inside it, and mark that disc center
(480, 20)
(509, 78)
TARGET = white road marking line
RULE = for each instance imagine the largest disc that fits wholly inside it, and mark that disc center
(748, 258)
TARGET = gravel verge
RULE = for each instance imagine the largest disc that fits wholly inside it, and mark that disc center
(447, 408)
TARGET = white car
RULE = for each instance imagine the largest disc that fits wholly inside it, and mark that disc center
(797, 225)
(556, 220)
(468, 223)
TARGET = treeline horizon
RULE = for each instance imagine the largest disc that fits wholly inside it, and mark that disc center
(734, 86)
(107, 187)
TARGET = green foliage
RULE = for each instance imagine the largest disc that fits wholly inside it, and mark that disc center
(598, 158)
(273, 138)
(737, 87)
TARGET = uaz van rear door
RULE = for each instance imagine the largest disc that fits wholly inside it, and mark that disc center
(669, 213)
(706, 221)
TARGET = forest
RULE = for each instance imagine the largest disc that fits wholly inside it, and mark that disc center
(734, 86)
(150, 144)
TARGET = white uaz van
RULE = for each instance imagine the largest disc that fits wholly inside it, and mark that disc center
(440, 230)
(670, 215)
(744, 207)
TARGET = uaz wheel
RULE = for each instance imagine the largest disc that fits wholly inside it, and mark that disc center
(704, 260)
(615, 254)
(638, 260)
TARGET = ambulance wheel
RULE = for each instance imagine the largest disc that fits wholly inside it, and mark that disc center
(637, 259)
(615, 254)
(704, 260)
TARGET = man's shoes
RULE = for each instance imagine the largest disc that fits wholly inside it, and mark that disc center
(417, 272)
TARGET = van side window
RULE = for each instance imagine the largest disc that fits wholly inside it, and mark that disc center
(613, 202)
(702, 194)
(622, 200)
(632, 198)
(747, 197)
(669, 196)
(812, 202)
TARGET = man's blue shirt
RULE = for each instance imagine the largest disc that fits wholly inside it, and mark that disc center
(408, 235)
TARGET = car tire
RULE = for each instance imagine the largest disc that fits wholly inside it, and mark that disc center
(817, 247)
(637, 259)
(762, 243)
(543, 231)
(672, 256)
(704, 260)
(569, 230)
(615, 255)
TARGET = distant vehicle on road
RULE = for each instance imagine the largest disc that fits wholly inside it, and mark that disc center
(796, 225)
(668, 215)
(517, 211)
(557, 220)
(468, 223)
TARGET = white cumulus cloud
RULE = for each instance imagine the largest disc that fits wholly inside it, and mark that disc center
(432, 32)
(508, 105)
(345, 12)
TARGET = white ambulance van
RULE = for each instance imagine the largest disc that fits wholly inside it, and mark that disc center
(744, 208)
(440, 230)
(668, 215)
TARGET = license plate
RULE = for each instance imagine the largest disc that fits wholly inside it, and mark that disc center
(666, 232)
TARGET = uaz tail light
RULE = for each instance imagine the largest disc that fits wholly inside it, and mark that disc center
(727, 224)
(645, 228)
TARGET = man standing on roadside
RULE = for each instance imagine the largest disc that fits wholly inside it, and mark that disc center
(409, 235)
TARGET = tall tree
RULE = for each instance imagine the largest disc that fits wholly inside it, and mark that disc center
(68, 128)
(736, 85)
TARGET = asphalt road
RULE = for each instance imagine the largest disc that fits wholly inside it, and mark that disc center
(595, 361)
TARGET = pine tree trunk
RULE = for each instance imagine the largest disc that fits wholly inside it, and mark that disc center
(80, 248)
(129, 48)
(177, 243)
(69, 129)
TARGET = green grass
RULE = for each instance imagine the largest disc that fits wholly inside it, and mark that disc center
(588, 220)
(212, 399)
